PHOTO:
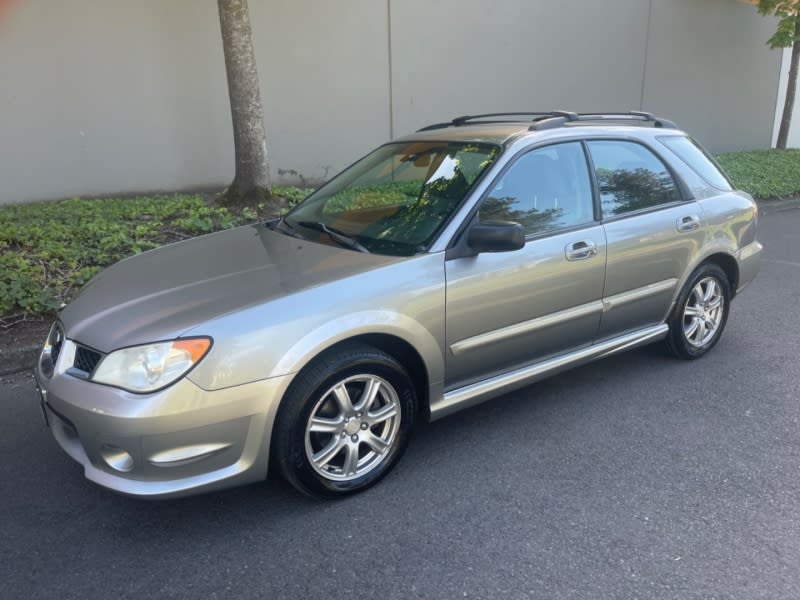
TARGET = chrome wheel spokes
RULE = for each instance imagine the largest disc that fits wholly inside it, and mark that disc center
(352, 427)
(703, 312)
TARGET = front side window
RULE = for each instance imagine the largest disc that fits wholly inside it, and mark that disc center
(630, 177)
(545, 189)
(396, 199)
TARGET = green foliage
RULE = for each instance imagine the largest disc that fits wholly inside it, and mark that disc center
(291, 195)
(787, 12)
(764, 173)
(631, 190)
(373, 195)
(48, 250)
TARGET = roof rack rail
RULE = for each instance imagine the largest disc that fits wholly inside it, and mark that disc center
(480, 118)
(557, 121)
(553, 119)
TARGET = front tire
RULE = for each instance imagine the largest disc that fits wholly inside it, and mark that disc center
(700, 313)
(345, 422)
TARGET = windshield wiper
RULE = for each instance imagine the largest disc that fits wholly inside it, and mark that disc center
(283, 226)
(340, 237)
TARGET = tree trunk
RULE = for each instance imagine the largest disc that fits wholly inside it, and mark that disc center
(791, 91)
(251, 183)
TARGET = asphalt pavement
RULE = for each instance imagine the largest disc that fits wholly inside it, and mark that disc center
(639, 476)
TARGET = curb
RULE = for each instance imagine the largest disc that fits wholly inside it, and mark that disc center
(14, 360)
(768, 207)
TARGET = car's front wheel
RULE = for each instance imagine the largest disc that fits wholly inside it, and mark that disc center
(700, 313)
(344, 422)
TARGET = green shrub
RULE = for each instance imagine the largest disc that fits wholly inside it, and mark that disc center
(371, 196)
(764, 174)
(48, 250)
(291, 195)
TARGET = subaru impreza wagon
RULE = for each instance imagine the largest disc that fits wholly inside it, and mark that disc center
(441, 270)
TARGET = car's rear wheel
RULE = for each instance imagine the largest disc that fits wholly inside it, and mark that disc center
(700, 313)
(345, 421)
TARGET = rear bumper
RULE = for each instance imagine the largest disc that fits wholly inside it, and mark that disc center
(749, 260)
(181, 441)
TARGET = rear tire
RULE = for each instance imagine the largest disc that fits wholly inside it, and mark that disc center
(345, 422)
(700, 313)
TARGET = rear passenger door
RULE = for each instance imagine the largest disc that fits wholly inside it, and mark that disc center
(652, 232)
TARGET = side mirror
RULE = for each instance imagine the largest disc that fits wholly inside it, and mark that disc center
(496, 236)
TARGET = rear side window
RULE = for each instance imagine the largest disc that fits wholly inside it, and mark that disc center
(693, 155)
(630, 177)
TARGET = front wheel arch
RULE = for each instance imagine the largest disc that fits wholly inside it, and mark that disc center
(310, 393)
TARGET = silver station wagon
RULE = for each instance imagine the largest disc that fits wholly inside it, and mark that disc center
(441, 270)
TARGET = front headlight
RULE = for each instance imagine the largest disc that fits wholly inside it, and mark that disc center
(152, 366)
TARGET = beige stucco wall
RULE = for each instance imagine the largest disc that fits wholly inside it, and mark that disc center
(107, 96)
(454, 57)
(709, 67)
(112, 96)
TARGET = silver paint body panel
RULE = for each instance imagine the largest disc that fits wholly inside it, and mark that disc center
(645, 252)
(509, 308)
(480, 325)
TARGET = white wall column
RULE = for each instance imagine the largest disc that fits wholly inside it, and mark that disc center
(794, 131)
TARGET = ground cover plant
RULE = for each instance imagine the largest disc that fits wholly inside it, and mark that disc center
(765, 174)
(48, 250)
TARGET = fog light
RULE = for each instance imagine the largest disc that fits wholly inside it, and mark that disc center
(116, 458)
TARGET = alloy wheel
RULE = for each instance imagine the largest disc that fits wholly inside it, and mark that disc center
(703, 312)
(352, 427)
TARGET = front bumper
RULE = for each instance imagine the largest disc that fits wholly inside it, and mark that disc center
(180, 441)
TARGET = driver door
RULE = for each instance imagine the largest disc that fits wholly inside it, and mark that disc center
(508, 309)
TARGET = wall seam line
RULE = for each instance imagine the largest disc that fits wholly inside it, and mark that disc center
(391, 73)
(646, 53)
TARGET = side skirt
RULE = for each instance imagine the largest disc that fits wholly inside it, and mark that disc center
(475, 393)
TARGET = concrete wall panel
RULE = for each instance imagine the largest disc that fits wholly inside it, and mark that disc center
(112, 96)
(324, 69)
(108, 96)
(452, 57)
(708, 67)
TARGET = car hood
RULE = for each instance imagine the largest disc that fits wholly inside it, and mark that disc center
(162, 293)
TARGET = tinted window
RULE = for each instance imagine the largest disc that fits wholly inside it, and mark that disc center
(694, 156)
(545, 189)
(630, 177)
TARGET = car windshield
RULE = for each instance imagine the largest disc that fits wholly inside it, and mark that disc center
(394, 200)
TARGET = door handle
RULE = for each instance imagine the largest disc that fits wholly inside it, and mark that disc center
(688, 223)
(580, 250)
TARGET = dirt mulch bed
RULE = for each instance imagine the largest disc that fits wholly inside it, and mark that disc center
(20, 343)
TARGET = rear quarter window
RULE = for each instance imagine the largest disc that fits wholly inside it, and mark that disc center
(696, 157)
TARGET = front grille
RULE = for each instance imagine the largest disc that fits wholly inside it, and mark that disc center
(85, 359)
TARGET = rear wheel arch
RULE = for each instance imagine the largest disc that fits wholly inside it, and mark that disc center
(700, 312)
(728, 264)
